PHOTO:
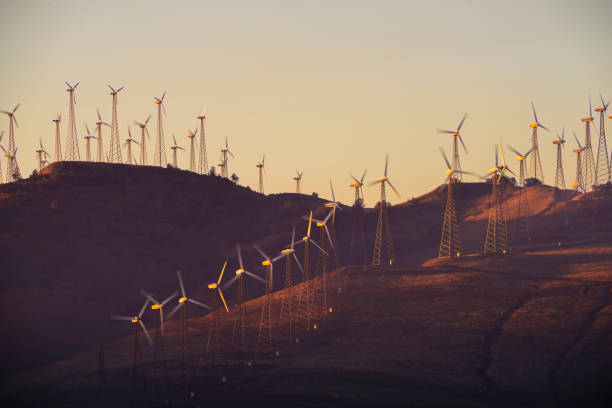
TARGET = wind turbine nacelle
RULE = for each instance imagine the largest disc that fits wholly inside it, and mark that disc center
(586, 119)
(533, 125)
(449, 172)
(520, 158)
(183, 299)
(320, 224)
(381, 179)
(191, 136)
(157, 102)
(577, 150)
(455, 133)
(574, 185)
(558, 141)
(354, 185)
(493, 170)
(213, 286)
(156, 307)
(286, 251)
(599, 109)
(329, 205)
(239, 272)
(266, 263)
(135, 319)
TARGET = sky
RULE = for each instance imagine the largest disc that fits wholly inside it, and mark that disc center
(326, 87)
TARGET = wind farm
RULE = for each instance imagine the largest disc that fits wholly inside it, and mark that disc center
(306, 216)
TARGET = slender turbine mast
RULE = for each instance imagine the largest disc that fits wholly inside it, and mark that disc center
(215, 340)
(456, 139)
(383, 221)
(536, 163)
(159, 158)
(261, 169)
(57, 152)
(12, 172)
(602, 169)
(450, 243)
(174, 148)
(72, 143)
(288, 301)
(579, 183)
(115, 143)
(143, 148)
(265, 319)
(203, 160)
(100, 149)
(559, 176)
(357, 249)
(298, 182)
(138, 325)
(128, 144)
(88, 138)
(42, 156)
(224, 152)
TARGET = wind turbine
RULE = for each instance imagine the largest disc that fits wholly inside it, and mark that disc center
(261, 169)
(238, 333)
(320, 284)
(138, 326)
(128, 143)
(57, 152)
(72, 143)
(115, 143)
(100, 150)
(174, 148)
(588, 159)
(383, 220)
(215, 341)
(456, 138)
(536, 164)
(143, 147)
(192, 149)
(265, 320)
(602, 169)
(224, 152)
(287, 302)
(11, 141)
(496, 240)
(358, 186)
(159, 306)
(520, 157)
(579, 183)
(88, 138)
(182, 306)
(559, 176)
(159, 158)
(298, 182)
(42, 156)
(203, 160)
(12, 168)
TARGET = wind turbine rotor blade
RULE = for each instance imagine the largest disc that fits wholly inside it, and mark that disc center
(148, 296)
(179, 274)
(386, 164)
(354, 178)
(515, 151)
(535, 116)
(332, 190)
(75, 85)
(544, 127)
(445, 131)
(121, 318)
(67, 84)
(309, 225)
(293, 237)
(174, 310)
(391, 185)
(445, 159)
(231, 282)
(363, 176)
(331, 241)
(16, 107)
(252, 275)
(462, 144)
(99, 116)
(169, 298)
(262, 253)
(529, 152)
(496, 158)
(278, 257)
(223, 299)
(221, 275)
(146, 332)
(195, 302)
(161, 320)
(111, 88)
(501, 150)
(119, 90)
(317, 245)
(239, 252)
(144, 306)
(297, 261)
(461, 123)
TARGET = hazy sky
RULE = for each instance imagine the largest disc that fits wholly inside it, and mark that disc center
(327, 87)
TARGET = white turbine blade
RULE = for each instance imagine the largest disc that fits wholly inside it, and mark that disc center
(174, 310)
(331, 241)
(146, 332)
(279, 257)
(231, 282)
(161, 320)
(119, 90)
(329, 216)
(169, 298)
(179, 274)
(293, 237)
(252, 275)
(271, 277)
(195, 302)
(262, 253)
(144, 306)
(239, 252)
(121, 318)
(148, 296)
(391, 185)
(222, 298)
(317, 245)
(111, 88)
(298, 261)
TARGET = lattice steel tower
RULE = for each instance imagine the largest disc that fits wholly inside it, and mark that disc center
(559, 177)
(115, 143)
(456, 139)
(450, 242)
(159, 157)
(535, 162)
(261, 169)
(496, 240)
(192, 149)
(588, 159)
(579, 183)
(57, 142)
(383, 223)
(72, 143)
(602, 169)
(202, 159)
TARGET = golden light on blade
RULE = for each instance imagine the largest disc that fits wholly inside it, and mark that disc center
(222, 270)
(223, 299)
(309, 224)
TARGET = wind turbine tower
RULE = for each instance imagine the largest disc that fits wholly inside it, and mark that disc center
(496, 240)
(115, 143)
(521, 157)
(203, 159)
(42, 156)
(215, 340)
(288, 302)
(298, 182)
(456, 139)
(138, 326)
(224, 152)
(602, 170)
(57, 152)
(559, 176)
(192, 149)
(265, 319)
(72, 143)
(12, 149)
(579, 183)
(128, 144)
(587, 152)
(521, 222)
(536, 163)
(100, 149)
(450, 243)
(88, 138)
(143, 132)
(159, 158)
(174, 148)
(261, 169)
(357, 248)
(383, 221)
